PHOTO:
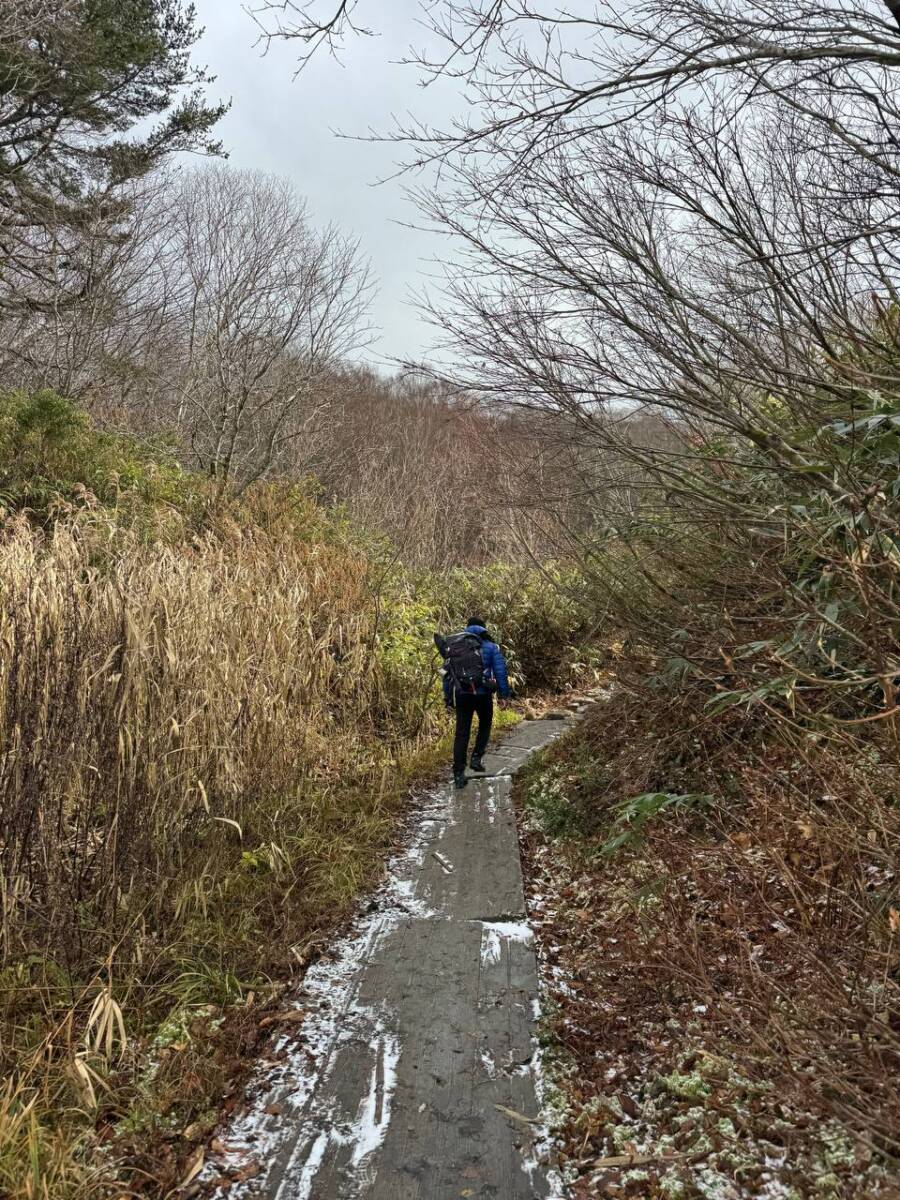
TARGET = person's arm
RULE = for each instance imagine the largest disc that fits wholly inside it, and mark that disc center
(498, 670)
(448, 690)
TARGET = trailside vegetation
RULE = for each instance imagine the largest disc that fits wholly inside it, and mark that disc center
(210, 717)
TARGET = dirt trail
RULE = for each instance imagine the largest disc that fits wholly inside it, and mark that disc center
(415, 1075)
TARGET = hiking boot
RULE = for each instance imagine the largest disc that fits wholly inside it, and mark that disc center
(459, 779)
(477, 764)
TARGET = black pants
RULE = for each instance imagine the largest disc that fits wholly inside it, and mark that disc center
(466, 708)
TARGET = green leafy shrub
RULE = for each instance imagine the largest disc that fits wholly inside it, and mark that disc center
(53, 463)
(543, 618)
(634, 814)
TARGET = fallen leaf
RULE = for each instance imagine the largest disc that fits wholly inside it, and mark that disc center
(248, 1171)
(273, 1110)
(292, 1015)
(194, 1169)
(631, 1160)
(628, 1105)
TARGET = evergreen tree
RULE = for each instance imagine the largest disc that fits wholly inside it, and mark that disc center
(93, 94)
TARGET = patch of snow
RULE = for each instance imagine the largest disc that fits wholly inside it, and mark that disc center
(559, 985)
(495, 933)
(334, 1017)
(487, 1061)
(538, 1152)
(374, 1113)
(490, 797)
(405, 894)
(303, 1186)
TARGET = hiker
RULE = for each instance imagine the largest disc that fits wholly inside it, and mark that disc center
(474, 668)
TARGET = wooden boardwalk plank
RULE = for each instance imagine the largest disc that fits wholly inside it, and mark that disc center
(414, 1077)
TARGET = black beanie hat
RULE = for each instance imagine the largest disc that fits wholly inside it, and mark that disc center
(478, 621)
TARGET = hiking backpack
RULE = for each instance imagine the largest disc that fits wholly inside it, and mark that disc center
(462, 660)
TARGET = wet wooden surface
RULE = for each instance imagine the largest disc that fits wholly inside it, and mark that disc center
(427, 1089)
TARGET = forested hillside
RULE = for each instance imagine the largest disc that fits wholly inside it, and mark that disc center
(657, 440)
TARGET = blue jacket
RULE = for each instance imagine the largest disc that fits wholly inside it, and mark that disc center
(494, 668)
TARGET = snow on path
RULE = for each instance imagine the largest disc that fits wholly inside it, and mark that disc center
(415, 1072)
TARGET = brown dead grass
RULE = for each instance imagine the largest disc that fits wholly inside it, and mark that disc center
(753, 949)
(200, 771)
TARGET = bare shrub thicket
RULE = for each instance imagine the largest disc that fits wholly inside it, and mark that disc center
(452, 482)
(409, 458)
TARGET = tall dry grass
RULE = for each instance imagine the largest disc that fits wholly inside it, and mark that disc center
(150, 698)
(198, 769)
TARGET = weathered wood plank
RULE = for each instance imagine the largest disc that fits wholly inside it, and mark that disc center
(416, 1080)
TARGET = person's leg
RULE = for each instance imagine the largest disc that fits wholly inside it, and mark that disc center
(465, 709)
(484, 706)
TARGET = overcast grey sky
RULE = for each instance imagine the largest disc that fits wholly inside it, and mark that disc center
(286, 125)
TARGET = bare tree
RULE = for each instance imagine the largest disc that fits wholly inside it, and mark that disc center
(263, 305)
(684, 210)
(538, 74)
(726, 277)
(93, 347)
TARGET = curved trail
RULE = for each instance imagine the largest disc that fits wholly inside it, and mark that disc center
(414, 1075)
